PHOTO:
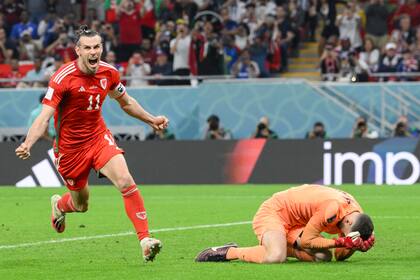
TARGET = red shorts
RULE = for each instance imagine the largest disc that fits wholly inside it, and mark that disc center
(75, 166)
(269, 218)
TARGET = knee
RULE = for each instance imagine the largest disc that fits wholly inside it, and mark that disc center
(323, 256)
(275, 257)
(82, 207)
(124, 181)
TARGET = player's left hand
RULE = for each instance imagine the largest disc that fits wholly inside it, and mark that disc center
(160, 123)
(367, 244)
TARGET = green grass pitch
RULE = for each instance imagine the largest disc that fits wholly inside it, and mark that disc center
(25, 218)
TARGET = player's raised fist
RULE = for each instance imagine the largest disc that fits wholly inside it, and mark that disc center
(160, 123)
(23, 151)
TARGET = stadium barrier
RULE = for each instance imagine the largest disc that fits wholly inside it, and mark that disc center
(393, 161)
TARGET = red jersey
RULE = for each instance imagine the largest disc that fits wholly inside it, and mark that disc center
(78, 98)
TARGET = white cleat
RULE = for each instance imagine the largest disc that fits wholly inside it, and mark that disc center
(57, 218)
(150, 247)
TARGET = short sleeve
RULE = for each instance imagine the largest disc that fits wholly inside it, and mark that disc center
(54, 94)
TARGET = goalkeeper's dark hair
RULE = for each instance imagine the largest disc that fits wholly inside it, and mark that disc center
(364, 225)
(84, 31)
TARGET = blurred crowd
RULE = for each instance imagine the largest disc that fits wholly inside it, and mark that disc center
(370, 40)
(151, 38)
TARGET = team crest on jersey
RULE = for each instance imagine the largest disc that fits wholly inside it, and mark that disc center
(103, 83)
(70, 181)
(141, 215)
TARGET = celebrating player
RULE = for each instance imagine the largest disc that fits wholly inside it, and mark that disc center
(290, 223)
(75, 96)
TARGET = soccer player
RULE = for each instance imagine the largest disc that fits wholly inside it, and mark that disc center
(290, 223)
(75, 96)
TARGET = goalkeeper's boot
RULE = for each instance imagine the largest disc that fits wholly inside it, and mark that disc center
(58, 219)
(150, 247)
(215, 254)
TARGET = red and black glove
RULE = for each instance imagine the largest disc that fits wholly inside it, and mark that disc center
(367, 244)
(348, 242)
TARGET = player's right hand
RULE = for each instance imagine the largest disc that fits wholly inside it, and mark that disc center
(348, 242)
(23, 151)
(367, 244)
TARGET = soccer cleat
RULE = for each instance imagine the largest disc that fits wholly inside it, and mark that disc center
(150, 247)
(215, 254)
(58, 219)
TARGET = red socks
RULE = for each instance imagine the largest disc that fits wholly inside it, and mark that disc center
(134, 207)
(65, 204)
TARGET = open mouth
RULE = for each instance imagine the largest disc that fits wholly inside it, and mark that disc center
(93, 61)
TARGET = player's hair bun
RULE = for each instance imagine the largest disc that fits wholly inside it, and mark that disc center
(82, 29)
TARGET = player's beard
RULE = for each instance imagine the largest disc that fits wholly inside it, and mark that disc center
(91, 70)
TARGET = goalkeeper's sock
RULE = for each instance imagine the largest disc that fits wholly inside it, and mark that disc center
(65, 204)
(134, 207)
(251, 254)
(299, 254)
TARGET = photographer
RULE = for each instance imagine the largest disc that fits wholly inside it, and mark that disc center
(214, 131)
(318, 132)
(263, 130)
(137, 69)
(360, 129)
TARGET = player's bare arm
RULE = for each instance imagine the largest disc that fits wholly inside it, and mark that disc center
(134, 109)
(36, 131)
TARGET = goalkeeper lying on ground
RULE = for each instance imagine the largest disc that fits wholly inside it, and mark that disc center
(290, 223)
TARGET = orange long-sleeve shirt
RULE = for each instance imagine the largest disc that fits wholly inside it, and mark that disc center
(318, 209)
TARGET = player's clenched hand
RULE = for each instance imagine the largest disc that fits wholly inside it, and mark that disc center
(367, 244)
(160, 123)
(23, 151)
(348, 242)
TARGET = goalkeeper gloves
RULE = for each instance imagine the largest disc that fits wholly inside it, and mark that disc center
(348, 242)
(367, 244)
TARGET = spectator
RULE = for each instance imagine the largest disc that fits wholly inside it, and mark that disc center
(376, 23)
(24, 26)
(180, 48)
(64, 47)
(347, 68)
(259, 53)
(245, 68)
(329, 64)
(50, 70)
(129, 22)
(263, 130)
(404, 35)
(49, 132)
(185, 8)
(231, 52)
(111, 59)
(7, 48)
(229, 25)
(13, 74)
(318, 132)
(215, 131)
(147, 51)
(412, 8)
(161, 68)
(349, 27)
(390, 60)
(109, 39)
(196, 53)
(137, 69)
(28, 48)
(288, 35)
(327, 12)
(415, 47)
(71, 25)
(263, 8)
(250, 19)
(12, 9)
(34, 78)
(38, 9)
(165, 33)
(164, 134)
(46, 24)
(312, 20)
(52, 34)
(236, 9)
(407, 64)
(368, 60)
(241, 37)
(212, 63)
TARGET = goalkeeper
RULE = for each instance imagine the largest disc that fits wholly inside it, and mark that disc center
(290, 223)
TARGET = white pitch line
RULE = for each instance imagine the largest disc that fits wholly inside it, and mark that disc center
(83, 238)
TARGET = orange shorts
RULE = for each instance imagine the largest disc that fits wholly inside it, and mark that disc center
(269, 218)
(75, 167)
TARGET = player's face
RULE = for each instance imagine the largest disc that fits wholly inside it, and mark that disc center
(89, 51)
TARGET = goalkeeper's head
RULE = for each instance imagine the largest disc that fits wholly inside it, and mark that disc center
(357, 222)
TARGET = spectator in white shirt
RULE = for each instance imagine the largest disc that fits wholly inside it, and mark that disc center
(137, 69)
(180, 49)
